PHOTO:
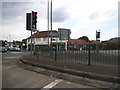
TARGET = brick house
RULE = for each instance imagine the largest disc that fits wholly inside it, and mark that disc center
(77, 44)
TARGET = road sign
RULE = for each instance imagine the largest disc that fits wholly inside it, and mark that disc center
(64, 34)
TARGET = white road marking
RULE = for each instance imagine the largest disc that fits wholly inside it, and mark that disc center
(6, 61)
(16, 52)
(9, 57)
(52, 84)
(7, 67)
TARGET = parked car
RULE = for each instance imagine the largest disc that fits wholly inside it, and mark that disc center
(3, 49)
(17, 49)
(11, 48)
(14, 49)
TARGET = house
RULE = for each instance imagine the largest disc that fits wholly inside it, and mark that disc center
(116, 39)
(10, 44)
(44, 39)
(112, 43)
(77, 44)
(104, 43)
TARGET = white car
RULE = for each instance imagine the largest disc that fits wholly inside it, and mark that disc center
(17, 49)
(14, 49)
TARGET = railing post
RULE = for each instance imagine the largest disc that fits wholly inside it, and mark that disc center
(89, 55)
(55, 53)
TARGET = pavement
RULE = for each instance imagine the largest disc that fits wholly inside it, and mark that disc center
(97, 76)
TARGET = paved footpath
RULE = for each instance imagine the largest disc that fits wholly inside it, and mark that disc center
(103, 74)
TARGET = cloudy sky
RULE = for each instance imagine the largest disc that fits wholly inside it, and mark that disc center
(83, 17)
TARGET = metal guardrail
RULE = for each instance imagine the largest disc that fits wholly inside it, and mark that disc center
(107, 58)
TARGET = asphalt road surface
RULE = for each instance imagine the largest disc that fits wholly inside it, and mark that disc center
(15, 77)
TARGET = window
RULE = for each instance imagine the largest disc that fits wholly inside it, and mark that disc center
(44, 39)
(53, 39)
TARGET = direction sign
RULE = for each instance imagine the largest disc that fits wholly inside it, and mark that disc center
(64, 34)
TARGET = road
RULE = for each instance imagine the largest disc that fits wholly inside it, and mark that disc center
(15, 77)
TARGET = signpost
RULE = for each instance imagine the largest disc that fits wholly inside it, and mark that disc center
(64, 34)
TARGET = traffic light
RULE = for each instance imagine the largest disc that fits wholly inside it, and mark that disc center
(28, 21)
(34, 20)
(97, 34)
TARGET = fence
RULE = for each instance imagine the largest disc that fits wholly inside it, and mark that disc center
(88, 56)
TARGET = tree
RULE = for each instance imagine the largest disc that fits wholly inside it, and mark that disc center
(3, 43)
(112, 45)
(24, 41)
(19, 43)
(84, 38)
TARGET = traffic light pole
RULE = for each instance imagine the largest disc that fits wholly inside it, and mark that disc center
(31, 36)
(31, 21)
(96, 43)
(97, 38)
(31, 43)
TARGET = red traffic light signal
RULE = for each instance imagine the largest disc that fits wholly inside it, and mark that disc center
(31, 20)
(34, 19)
(35, 13)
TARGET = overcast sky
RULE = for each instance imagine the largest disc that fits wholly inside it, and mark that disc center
(83, 17)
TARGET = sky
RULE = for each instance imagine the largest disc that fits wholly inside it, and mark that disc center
(82, 17)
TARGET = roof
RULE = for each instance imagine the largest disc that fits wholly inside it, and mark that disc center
(116, 39)
(92, 42)
(78, 42)
(10, 42)
(43, 34)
